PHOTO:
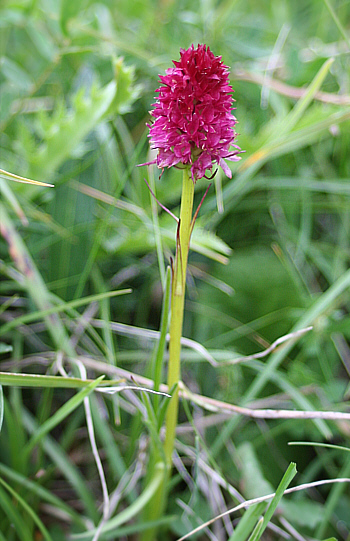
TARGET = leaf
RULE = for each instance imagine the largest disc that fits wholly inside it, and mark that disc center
(55, 382)
(1, 407)
(14, 73)
(65, 129)
(248, 522)
(253, 478)
(14, 516)
(17, 178)
(126, 91)
(132, 510)
(69, 10)
(61, 414)
(257, 531)
(33, 316)
(5, 348)
(286, 480)
(303, 512)
(29, 510)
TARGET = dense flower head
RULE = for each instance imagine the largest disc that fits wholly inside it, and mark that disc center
(193, 123)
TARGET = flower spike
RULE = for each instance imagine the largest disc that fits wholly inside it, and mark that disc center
(193, 124)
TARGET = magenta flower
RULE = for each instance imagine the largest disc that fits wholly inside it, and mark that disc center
(193, 122)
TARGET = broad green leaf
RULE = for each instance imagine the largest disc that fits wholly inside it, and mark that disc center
(255, 482)
(304, 512)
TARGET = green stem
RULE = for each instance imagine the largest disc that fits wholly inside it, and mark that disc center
(177, 310)
(157, 505)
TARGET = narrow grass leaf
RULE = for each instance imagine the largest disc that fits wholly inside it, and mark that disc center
(256, 534)
(61, 414)
(297, 112)
(59, 457)
(247, 524)
(159, 358)
(333, 500)
(285, 482)
(138, 528)
(28, 510)
(42, 493)
(131, 511)
(324, 302)
(40, 314)
(16, 520)
(108, 342)
(1, 407)
(153, 428)
(57, 382)
(336, 19)
(17, 178)
(164, 406)
(319, 444)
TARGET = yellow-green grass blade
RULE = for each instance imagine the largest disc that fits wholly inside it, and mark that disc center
(61, 414)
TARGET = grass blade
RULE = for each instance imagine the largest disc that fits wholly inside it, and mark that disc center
(247, 524)
(159, 358)
(130, 511)
(61, 414)
(285, 482)
(56, 382)
(29, 510)
(257, 531)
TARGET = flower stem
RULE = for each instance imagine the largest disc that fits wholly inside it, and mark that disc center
(177, 309)
(156, 506)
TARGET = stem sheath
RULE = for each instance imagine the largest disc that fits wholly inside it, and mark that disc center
(157, 505)
(177, 309)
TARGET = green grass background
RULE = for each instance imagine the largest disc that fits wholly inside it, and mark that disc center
(270, 254)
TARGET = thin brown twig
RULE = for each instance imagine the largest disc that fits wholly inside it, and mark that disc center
(160, 204)
(254, 501)
(274, 345)
(288, 90)
(213, 405)
(198, 209)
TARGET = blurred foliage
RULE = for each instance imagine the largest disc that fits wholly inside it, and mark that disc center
(271, 252)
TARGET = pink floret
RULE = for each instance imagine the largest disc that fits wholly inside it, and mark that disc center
(193, 123)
